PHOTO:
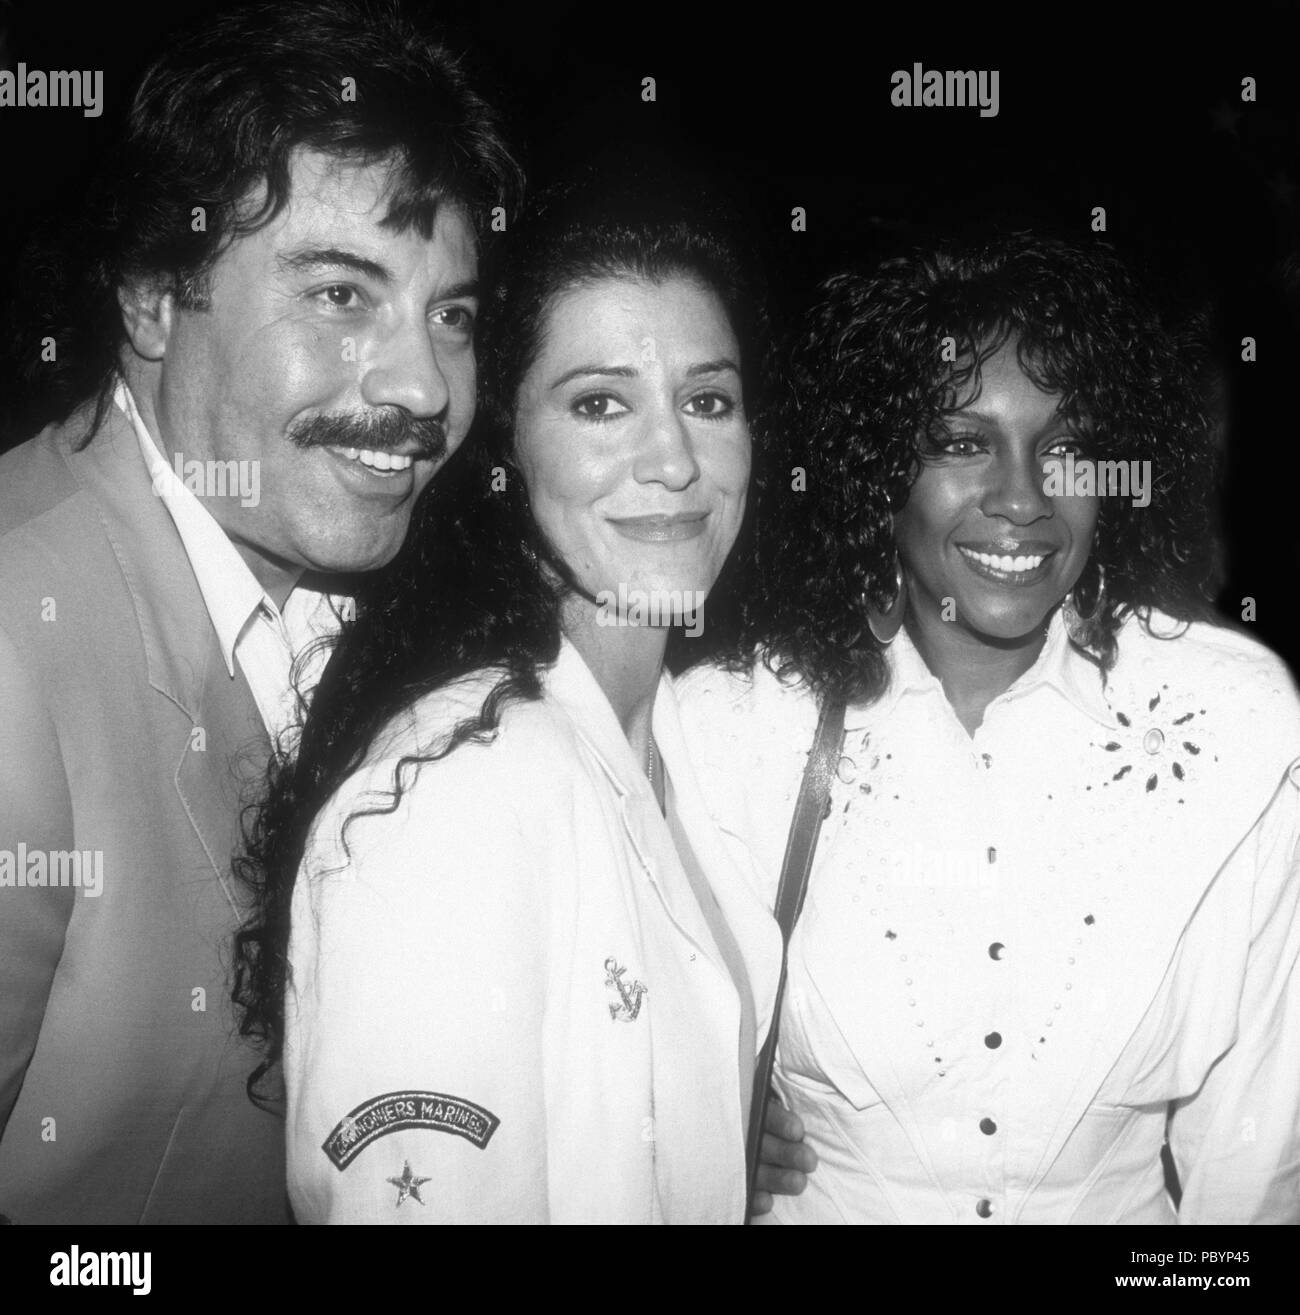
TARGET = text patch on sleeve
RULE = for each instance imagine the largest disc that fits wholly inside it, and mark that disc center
(396, 1111)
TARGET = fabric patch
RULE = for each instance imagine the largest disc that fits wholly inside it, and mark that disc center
(398, 1110)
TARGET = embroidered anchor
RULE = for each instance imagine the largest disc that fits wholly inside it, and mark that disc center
(629, 993)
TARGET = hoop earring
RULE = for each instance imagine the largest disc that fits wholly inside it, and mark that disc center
(1084, 628)
(885, 624)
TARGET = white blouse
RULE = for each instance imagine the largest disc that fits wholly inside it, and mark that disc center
(507, 1005)
(1027, 954)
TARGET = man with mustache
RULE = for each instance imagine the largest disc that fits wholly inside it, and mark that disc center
(285, 283)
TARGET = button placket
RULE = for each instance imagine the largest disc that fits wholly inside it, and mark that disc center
(986, 1118)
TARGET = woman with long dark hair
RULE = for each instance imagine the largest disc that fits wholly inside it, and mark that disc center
(1052, 916)
(507, 962)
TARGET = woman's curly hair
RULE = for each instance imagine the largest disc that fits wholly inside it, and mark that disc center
(470, 590)
(866, 381)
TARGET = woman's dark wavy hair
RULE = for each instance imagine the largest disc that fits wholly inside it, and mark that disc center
(468, 591)
(214, 124)
(865, 386)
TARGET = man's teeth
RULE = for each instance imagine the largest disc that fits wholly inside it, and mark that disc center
(378, 460)
(1008, 564)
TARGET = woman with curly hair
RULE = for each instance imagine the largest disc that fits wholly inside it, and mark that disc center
(1052, 919)
(510, 966)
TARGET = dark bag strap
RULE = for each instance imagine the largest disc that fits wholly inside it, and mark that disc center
(805, 826)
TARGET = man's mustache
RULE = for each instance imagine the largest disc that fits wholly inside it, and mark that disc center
(377, 431)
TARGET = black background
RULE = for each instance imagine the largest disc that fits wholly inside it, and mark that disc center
(1134, 108)
(572, 1270)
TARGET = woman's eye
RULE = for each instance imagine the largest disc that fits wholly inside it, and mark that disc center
(713, 406)
(598, 406)
(1068, 446)
(960, 445)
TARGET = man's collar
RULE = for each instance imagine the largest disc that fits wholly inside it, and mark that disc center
(230, 591)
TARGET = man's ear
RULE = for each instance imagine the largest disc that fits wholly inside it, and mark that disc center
(148, 312)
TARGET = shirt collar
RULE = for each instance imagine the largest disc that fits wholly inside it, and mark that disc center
(230, 590)
(571, 684)
(1074, 675)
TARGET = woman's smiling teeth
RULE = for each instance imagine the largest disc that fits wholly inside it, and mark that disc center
(378, 460)
(1008, 564)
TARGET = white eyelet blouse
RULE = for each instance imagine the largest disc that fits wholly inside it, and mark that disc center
(1027, 953)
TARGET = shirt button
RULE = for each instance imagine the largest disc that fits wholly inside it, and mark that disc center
(993, 1040)
(995, 950)
(988, 1127)
(984, 1207)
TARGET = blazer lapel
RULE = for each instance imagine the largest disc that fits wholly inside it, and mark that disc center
(224, 737)
(221, 771)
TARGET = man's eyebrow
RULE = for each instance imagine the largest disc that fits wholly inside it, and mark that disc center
(321, 258)
(714, 367)
(469, 288)
(612, 371)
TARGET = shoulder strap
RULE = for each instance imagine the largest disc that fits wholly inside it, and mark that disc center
(805, 826)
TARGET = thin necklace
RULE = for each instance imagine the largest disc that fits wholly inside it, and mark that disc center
(652, 761)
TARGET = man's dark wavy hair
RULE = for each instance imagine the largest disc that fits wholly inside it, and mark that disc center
(469, 591)
(866, 383)
(214, 124)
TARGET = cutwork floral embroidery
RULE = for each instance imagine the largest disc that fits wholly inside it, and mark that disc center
(1159, 743)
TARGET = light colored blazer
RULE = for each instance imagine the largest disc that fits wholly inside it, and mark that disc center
(508, 1006)
(121, 1089)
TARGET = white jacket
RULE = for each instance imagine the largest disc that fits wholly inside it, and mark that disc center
(506, 1003)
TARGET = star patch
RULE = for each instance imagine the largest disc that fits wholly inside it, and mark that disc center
(396, 1111)
(408, 1185)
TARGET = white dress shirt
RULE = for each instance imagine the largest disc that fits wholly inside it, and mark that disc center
(506, 1002)
(1026, 953)
(251, 630)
